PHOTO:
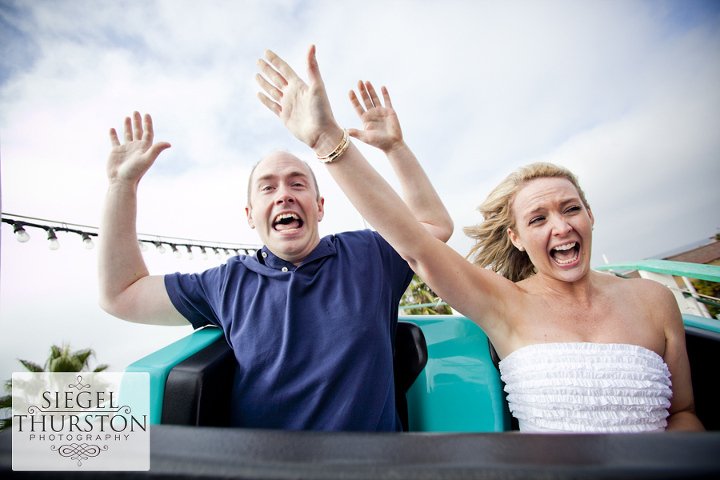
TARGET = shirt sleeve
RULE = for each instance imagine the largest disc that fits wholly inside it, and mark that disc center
(193, 295)
(397, 269)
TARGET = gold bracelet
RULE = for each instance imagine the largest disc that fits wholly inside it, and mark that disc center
(332, 156)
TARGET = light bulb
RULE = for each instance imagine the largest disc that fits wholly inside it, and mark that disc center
(87, 241)
(54, 244)
(160, 247)
(203, 253)
(175, 251)
(22, 235)
(217, 253)
(143, 246)
(190, 254)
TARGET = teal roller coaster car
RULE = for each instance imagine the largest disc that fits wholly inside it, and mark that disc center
(445, 368)
(453, 407)
(444, 371)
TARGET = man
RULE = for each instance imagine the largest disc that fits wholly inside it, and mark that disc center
(311, 320)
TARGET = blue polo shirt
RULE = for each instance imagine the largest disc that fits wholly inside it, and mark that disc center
(314, 342)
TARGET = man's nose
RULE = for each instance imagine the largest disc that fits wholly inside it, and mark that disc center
(284, 196)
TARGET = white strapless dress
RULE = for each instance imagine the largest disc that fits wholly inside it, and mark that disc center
(587, 388)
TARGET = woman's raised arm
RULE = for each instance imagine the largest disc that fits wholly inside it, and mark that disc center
(305, 110)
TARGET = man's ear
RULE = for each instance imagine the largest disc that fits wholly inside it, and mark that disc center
(248, 213)
(515, 240)
(321, 208)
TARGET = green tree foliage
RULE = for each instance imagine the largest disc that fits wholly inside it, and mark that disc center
(418, 293)
(711, 289)
(61, 359)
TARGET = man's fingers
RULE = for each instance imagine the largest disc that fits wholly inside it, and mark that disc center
(386, 97)
(274, 107)
(137, 126)
(127, 130)
(269, 88)
(114, 138)
(148, 132)
(155, 150)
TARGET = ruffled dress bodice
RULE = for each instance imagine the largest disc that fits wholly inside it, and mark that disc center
(587, 388)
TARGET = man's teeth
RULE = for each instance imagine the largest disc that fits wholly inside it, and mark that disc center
(286, 216)
(287, 222)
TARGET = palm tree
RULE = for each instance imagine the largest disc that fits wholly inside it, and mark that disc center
(418, 293)
(712, 290)
(61, 359)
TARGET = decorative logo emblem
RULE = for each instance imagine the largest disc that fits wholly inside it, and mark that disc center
(93, 421)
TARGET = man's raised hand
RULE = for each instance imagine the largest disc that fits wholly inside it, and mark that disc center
(130, 160)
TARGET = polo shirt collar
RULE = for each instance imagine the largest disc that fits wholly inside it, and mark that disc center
(325, 248)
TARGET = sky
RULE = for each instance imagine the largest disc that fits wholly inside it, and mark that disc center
(626, 94)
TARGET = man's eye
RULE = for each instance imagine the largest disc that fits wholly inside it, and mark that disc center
(573, 209)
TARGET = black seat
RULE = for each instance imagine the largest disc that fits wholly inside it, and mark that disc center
(198, 389)
(702, 348)
(514, 424)
(409, 359)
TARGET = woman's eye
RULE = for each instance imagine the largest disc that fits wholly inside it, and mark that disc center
(536, 220)
(574, 209)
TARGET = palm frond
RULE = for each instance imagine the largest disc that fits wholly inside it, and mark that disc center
(65, 364)
(5, 423)
(83, 356)
(31, 366)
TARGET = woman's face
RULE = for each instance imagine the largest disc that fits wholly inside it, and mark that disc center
(554, 227)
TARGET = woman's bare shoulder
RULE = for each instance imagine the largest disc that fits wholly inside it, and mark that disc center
(636, 286)
(647, 295)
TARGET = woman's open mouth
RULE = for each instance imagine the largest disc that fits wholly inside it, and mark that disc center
(565, 254)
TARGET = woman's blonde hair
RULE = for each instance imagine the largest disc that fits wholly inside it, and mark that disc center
(493, 247)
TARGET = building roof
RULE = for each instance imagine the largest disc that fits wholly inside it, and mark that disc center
(707, 254)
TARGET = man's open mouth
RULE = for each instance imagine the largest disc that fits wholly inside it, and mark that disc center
(565, 254)
(286, 222)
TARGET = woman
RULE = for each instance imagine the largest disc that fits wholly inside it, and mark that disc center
(582, 351)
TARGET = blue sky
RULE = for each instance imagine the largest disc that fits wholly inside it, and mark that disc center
(624, 93)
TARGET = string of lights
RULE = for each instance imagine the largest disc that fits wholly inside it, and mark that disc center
(178, 246)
